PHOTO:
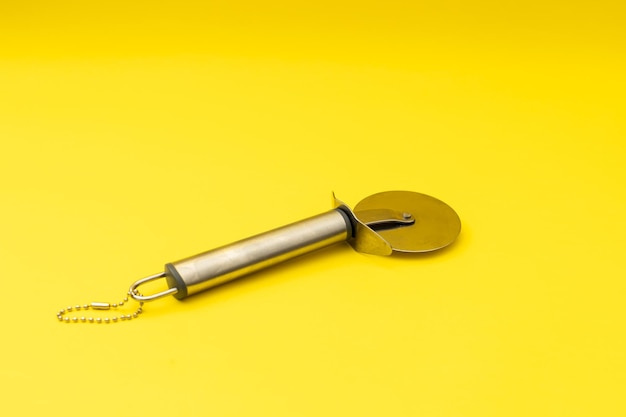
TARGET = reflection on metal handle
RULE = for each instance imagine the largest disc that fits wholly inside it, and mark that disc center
(229, 262)
(209, 269)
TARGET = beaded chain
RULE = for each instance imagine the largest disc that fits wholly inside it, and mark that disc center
(63, 314)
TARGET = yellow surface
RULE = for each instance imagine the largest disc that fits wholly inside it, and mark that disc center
(133, 135)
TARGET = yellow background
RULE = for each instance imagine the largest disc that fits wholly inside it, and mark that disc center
(136, 134)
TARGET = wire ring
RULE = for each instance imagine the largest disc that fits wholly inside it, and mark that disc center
(133, 292)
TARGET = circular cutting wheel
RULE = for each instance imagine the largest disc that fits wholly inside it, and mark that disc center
(435, 224)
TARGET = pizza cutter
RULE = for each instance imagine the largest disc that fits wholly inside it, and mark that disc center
(381, 224)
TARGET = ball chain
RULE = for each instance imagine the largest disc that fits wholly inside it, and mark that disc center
(63, 314)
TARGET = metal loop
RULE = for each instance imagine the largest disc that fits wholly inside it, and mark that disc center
(140, 297)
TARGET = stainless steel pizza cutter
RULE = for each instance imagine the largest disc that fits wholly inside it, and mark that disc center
(381, 224)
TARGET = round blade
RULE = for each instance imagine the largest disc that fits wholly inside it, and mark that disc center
(432, 223)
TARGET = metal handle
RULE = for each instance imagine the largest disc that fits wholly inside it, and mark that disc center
(206, 270)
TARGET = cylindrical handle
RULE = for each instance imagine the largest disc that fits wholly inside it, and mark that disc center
(217, 266)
